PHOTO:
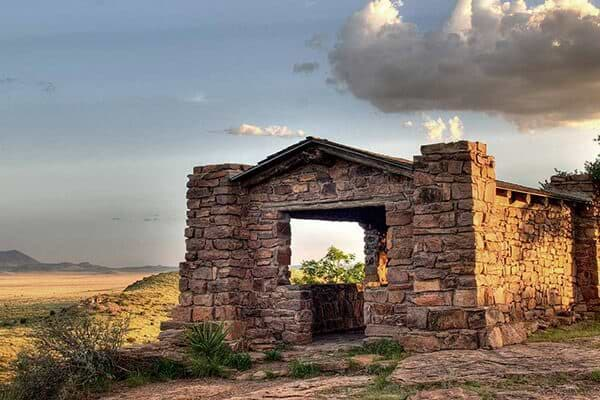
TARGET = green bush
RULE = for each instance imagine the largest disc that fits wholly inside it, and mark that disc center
(72, 355)
(211, 354)
(302, 370)
(207, 340)
(595, 376)
(273, 355)
(203, 367)
(239, 361)
(336, 267)
(166, 370)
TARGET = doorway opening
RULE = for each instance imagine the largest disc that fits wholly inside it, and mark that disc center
(336, 254)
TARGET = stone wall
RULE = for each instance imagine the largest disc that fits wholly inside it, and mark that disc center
(527, 269)
(326, 184)
(454, 260)
(336, 308)
(453, 182)
(214, 280)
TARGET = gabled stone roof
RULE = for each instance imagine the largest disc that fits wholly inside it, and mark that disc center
(391, 164)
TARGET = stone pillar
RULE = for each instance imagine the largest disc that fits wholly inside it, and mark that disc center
(454, 186)
(586, 250)
(216, 270)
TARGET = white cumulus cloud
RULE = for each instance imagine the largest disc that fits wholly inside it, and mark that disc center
(436, 129)
(273, 130)
(456, 128)
(536, 66)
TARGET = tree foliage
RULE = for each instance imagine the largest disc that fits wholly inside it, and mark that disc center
(593, 167)
(336, 267)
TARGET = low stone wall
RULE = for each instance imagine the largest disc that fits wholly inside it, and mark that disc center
(336, 308)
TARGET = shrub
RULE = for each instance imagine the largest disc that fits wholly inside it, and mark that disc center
(273, 355)
(210, 352)
(239, 361)
(335, 267)
(595, 376)
(207, 340)
(202, 367)
(382, 370)
(301, 370)
(72, 355)
(166, 370)
(136, 379)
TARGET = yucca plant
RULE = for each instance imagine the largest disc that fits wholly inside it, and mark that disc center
(208, 340)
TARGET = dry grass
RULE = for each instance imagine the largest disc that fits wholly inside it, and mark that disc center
(26, 299)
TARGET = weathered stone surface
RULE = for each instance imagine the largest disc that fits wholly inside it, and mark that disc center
(479, 365)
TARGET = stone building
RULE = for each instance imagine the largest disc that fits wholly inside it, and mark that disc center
(455, 259)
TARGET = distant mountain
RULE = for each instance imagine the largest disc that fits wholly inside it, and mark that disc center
(14, 258)
(14, 261)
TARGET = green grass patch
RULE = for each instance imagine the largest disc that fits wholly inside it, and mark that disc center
(583, 329)
(137, 379)
(273, 355)
(302, 370)
(239, 361)
(387, 349)
(595, 376)
(381, 370)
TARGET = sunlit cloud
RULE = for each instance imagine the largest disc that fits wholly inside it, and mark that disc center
(536, 66)
(273, 130)
(436, 129)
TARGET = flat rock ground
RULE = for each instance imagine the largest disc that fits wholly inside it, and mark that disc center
(553, 371)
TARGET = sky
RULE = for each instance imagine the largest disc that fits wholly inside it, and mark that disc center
(106, 106)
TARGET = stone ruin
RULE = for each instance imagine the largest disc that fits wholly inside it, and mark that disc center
(455, 259)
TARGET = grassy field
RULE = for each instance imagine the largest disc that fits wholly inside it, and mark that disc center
(26, 299)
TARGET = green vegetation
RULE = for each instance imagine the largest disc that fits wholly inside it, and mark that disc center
(240, 361)
(210, 353)
(302, 370)
(146, 303)
(335, 267)
(273, 355)
(595, 376)
(72, 356)
(583, 329)
(386, 348)
(382, 388)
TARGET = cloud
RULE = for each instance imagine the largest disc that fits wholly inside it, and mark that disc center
(456, 128)
(408, 124)
(198, 98)
(274, 130)
(538, 67)
(306, 68)
(318, 41)
(436, 128)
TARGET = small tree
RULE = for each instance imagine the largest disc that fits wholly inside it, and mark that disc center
(593, 167)
(335, 267)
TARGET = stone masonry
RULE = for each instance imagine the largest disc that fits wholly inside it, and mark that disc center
(455, 259)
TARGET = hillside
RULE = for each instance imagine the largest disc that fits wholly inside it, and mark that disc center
(14, 258)
(16, 262)
(147, 302)
(24, 303)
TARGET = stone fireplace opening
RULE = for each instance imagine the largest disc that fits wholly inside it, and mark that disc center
(340, 307)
